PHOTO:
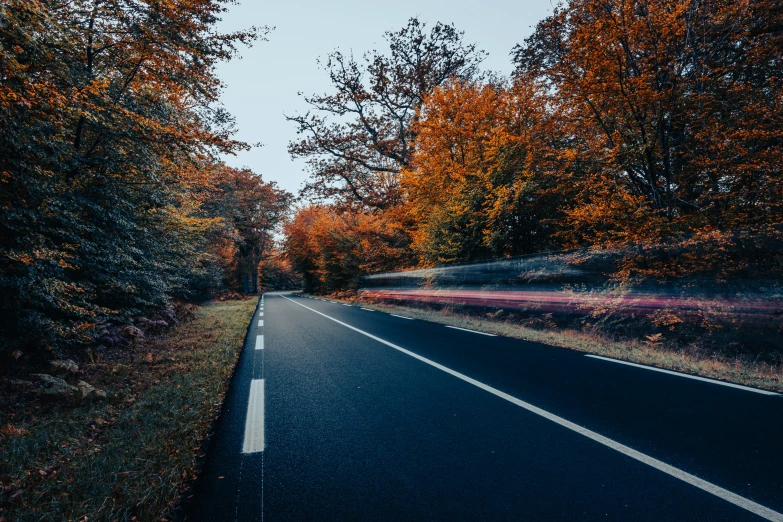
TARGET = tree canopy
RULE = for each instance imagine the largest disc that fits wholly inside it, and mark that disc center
(111, 129)
(625, 122)
(359, 137)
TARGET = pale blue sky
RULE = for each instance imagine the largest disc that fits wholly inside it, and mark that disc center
(263, 85)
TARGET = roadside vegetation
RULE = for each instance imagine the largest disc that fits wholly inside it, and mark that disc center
(694, 359)
(131, 452)
(650, 155)
(114, 201)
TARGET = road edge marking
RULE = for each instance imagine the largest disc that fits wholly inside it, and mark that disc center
(686, 375)
(260, 342)
(670, 470)
(471, 331)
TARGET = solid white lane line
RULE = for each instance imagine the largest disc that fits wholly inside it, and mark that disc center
(687, 376)
(471, 331)
(254, 422)
(402, 317)
(693, 480)
(259, 342)
(261, 322)
(368, 309)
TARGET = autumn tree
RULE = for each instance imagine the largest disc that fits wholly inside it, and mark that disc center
(480, 183)
(110, 128)
(359, 137)
(670, 107)
(299, 247)
(333, 248)
(276, 273)
(650, 127)
(249, 211)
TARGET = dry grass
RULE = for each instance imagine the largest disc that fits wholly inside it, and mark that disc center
(692, 360)
(132, 457)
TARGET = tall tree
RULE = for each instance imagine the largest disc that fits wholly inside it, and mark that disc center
(481, 181)
(670, 106)
(358, 138)
(110, 124)
(250, 210)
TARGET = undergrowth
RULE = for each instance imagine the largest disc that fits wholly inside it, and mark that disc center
(691, 358)
(131, 457)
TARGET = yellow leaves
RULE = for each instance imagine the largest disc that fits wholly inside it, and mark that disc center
(665, 318)
(62, 263)
(25, 259)
(86, 326)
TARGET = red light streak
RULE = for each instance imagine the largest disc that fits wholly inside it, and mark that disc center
(584, 302)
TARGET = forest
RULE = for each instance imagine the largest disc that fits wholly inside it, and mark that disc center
(650, 130)
(115, 203)
(619, 192)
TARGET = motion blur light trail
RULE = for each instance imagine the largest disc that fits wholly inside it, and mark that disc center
(739, 276)
(556, 301)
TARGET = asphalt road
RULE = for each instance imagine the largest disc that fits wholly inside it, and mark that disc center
(348, 414)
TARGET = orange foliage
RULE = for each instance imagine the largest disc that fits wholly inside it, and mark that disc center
(654, 124)
(333, 248)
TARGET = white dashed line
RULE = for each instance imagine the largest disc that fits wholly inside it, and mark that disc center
(260, 342)
(402, 317)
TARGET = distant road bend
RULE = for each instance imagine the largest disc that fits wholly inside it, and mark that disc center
(338, 412)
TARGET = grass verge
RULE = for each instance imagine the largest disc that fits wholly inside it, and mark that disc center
(692, 359)
(132, 456)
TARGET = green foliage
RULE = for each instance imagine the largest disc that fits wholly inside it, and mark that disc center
(109, 125)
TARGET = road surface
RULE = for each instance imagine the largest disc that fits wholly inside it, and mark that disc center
(340, 413)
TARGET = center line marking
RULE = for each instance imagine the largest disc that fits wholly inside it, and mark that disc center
(677, 473)
(687, 376)
(254, 422)
(471, 331)
(260, 342)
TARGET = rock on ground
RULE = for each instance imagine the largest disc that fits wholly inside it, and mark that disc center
(55, 386)
(62, 367)
(88, 392)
